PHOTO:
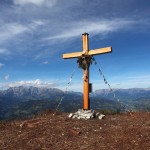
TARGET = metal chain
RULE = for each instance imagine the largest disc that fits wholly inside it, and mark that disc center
(106, 82)
(64, 94)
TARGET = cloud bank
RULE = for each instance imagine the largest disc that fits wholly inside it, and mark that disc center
(1, 65)
(34, 83)
(39, 24)
(34, 2)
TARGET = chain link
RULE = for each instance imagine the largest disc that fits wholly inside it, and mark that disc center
(106, 82)
(64, 94)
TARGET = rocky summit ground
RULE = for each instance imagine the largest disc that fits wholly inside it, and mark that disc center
(126, 131)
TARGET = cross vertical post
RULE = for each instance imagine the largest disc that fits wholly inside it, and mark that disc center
(86, 102)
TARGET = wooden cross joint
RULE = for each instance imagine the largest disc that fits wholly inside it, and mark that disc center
(84, 61)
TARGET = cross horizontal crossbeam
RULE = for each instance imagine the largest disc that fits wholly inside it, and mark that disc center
(90, 52)
(72, 55)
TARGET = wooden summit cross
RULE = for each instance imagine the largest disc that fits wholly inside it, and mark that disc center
(84, 60)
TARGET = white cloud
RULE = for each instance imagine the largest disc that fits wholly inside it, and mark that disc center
(1, 65)
(39, 83)
(35, 2)
(4, 51)
(93, 27)
(6, 77)
(35, 83)
(30, 25)
(12, 29)
(38, 22)
(45, 62)
(24, 2)
(35, 24)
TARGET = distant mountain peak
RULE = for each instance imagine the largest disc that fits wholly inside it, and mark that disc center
(27, 91)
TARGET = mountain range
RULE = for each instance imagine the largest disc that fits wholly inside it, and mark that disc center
(20, 102)
(125, 94)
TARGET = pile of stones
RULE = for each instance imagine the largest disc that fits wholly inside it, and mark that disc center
(86, 114)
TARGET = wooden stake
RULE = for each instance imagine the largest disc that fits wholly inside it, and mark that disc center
(86, 103)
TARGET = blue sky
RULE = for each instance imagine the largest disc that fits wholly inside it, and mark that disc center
(35, 33)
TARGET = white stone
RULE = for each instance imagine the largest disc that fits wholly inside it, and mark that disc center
(79, 117)
(71, 115)
(88, 117)
(86, 114)
(101, 116)
(74, 116)
(97, 114)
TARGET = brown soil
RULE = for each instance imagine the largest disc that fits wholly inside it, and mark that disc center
(127, 131)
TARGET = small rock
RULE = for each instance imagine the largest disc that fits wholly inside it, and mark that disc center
(97, 114)
(74, 116)
(74, 132)
(101, 116)
(79, 117)
(86, 114)
(71, 115)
